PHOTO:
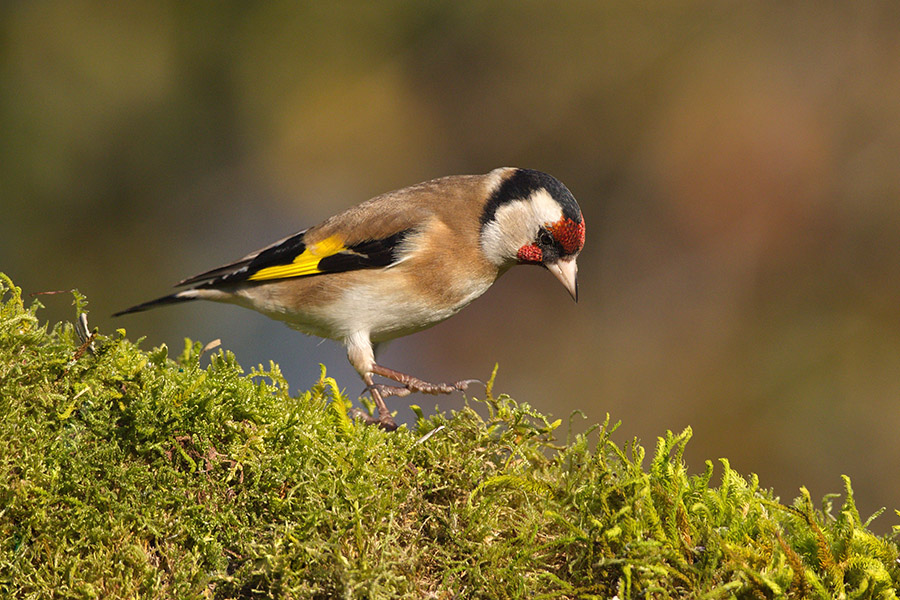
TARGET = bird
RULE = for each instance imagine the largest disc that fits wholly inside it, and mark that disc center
(399, 263)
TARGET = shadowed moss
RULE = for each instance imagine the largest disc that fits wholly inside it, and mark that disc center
(125, 473)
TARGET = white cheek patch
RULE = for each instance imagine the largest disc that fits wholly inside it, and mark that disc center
(502, 237)
(516, 224)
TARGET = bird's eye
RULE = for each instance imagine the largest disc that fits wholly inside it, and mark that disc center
(545, 238)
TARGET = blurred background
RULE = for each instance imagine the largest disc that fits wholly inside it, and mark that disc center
(738, 165)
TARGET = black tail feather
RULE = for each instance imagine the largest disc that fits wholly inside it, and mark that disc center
(170, 299)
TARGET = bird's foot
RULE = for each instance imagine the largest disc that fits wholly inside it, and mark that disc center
(383, 420)
(401, 391)
(410, 384)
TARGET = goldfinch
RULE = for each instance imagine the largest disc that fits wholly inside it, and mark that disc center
(400, 263)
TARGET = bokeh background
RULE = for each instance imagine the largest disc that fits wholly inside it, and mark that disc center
(738, 165)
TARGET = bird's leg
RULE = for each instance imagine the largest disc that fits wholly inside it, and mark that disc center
(412, 384)
(362, 356)
(384, 419)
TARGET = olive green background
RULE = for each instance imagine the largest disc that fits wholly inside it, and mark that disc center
(738, 165)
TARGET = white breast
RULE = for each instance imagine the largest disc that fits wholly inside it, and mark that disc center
(386, 311)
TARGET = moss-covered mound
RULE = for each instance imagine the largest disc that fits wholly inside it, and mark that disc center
(127, 474)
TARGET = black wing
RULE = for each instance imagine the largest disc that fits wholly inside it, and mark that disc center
(290, 258)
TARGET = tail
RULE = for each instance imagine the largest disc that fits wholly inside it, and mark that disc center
(176, 298)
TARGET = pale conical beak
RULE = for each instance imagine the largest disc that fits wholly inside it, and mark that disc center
(566, 270)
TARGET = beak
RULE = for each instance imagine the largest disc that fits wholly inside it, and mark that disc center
(566, 270)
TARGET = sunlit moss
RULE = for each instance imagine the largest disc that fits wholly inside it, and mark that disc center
(125, 473)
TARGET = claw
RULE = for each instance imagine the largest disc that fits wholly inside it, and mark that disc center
(465, 383)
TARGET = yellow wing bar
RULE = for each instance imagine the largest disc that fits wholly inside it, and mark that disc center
(306, 263)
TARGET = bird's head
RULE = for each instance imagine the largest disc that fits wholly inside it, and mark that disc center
(532, 218)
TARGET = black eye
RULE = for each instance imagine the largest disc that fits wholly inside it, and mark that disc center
(544, 238)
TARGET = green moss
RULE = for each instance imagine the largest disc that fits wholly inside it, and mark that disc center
(127, 474)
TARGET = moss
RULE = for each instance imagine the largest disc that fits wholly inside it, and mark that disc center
(125, 473)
